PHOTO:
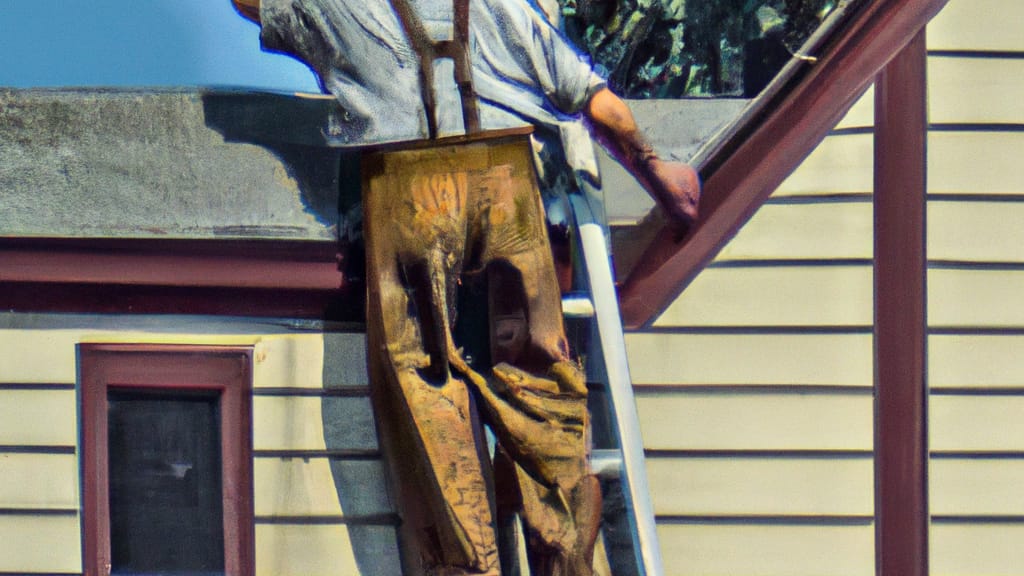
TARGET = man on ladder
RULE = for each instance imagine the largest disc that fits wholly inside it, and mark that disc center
(435, 215)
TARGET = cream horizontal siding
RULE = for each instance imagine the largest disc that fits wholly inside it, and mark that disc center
(976, 487)
(975, 361)
(976, 298)
(324, 550)
(862, 113)
(976, 90)
(41, 544)
(38, 481)
(38, 356)
(767, 550)
(840, 164)
(344, 360)
(316, 510)
(976, 287)
(975, 162)
(820, 231)
(976, 423)
(294, 361)
(311, 423)
(294, 487)
(978, 25)
(761, 359)
(973, 231)
(319, 486)
(776, 296)
(754, 386)
(971, 549)
(764, 486)
(38, 417)
(756, 421)
(310, 361)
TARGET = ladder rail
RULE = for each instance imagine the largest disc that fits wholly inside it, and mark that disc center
(623, 404)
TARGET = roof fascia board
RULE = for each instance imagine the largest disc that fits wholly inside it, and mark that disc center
(259, 278)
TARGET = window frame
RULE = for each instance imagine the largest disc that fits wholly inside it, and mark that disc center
(225, 370)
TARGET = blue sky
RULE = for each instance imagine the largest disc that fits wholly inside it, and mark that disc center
(48, 43)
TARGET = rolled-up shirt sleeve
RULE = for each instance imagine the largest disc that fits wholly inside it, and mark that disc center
(521, 61)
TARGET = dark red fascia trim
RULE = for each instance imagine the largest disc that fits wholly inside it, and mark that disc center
(739, 179)
(293, 278)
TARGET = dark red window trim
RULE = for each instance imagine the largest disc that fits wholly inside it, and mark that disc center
(226, 370)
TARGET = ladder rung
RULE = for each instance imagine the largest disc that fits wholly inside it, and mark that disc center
(606, 463)
(577, 306)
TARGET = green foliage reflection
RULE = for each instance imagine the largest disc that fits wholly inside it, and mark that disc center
(675, 48)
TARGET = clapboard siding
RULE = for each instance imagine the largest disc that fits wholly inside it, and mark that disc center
(774, 486)
(294, 361)
(294, 487)
(976, 423)
(310, 487)
(840, 164)
(815, 231)
(47, 544)
(975, 361)
(783, 295)
(324, 549)
(754, 387)
(45, 356)
(861, 114)
(320, 502)
(38, 481)
(976, 298)
(976, 287)
(973, 231)
(975, 162)
(971, 548)
(304, 423)
(38, 417)
(761, 358)
(967, 90)
(756, 421)
(979, 486)
(978, 25)
(767, 549)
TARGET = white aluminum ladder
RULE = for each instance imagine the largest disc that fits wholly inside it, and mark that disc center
(622, 463)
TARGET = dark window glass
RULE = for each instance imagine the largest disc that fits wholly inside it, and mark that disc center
(166, 514)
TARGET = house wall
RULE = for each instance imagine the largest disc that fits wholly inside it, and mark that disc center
(755, 386)
(976, 287)
(320, 504)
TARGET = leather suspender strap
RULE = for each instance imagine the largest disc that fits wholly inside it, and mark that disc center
(464, 68)
(427, 50)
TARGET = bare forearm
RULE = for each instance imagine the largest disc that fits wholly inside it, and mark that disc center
(615, 128)
(673, 185)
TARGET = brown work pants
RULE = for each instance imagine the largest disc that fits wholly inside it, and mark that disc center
(434, 216)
